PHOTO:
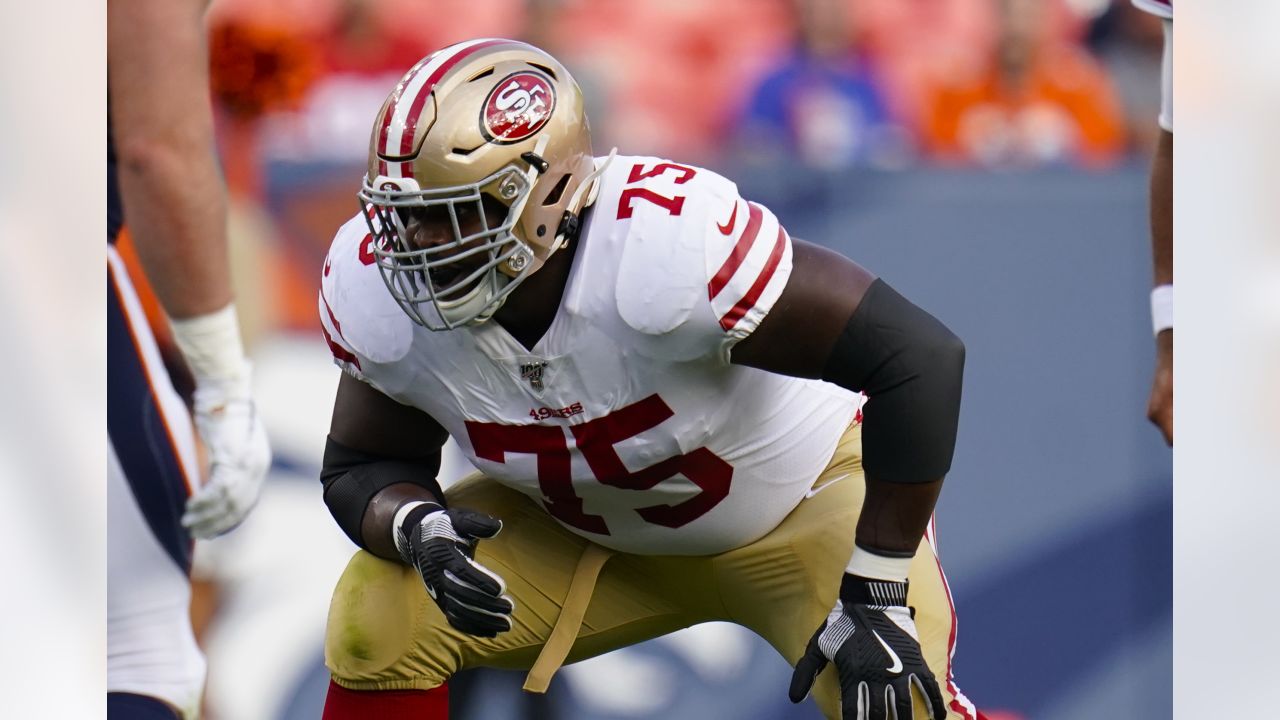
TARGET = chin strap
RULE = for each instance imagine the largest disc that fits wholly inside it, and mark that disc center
(590, 186)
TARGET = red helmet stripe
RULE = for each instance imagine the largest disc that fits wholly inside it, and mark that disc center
(411, 122)
(390, 109)
(400, 123)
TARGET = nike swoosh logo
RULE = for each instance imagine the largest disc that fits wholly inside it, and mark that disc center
(811, 493)
(727, 228)
(896, 667)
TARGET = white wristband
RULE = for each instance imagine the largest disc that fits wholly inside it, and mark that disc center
(867, 564)
(1162, 309)
(211, 344)
(401, 513)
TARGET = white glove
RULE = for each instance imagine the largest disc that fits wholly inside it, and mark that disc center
(227, 421)
(239, 456)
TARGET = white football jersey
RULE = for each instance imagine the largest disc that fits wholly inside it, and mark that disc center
(1163, 9)
(626, 420)
(1160, 8)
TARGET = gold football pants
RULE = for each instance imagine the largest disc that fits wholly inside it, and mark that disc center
(575, 599)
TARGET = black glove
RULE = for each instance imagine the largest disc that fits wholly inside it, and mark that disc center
(870, 635)
(440, 545)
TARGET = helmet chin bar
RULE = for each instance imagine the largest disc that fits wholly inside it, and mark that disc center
(473, 308)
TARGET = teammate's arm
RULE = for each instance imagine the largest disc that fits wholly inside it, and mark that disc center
(1160, 404)
(173, 196)
(379, 478)
(836, 321)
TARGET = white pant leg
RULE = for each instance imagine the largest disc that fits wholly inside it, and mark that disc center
(151, 649)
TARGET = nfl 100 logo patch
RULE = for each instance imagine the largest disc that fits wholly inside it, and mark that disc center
(533, 372)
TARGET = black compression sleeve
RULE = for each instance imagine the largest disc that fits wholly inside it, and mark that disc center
(911, 367)
(351, 478)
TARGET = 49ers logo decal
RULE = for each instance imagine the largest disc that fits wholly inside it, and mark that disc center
(517, 107)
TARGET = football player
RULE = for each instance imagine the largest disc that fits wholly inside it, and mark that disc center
(1160, 404)
(662, 391)
(163, 174)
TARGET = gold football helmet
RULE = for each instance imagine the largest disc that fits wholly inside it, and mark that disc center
(486, 141)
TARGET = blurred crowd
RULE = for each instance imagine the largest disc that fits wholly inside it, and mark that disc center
(830, 85)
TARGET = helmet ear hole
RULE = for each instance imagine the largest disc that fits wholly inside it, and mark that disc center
(557, 192)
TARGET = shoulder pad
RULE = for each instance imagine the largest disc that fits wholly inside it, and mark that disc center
(700, 267)
(358, 316)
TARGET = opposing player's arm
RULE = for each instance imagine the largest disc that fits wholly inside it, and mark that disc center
(175, 202)
(380, 455)
(836, 321)
(162, 124)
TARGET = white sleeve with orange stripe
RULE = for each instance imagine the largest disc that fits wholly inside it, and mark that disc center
(701, 281)
(361, 323)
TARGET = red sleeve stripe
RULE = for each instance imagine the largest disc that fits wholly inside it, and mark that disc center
(333, 319)
(748, 301)
(740, 250)
(338, 351)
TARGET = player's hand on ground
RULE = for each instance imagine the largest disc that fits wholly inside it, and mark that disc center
(871, 637)
(239, 456)
(440, 544)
